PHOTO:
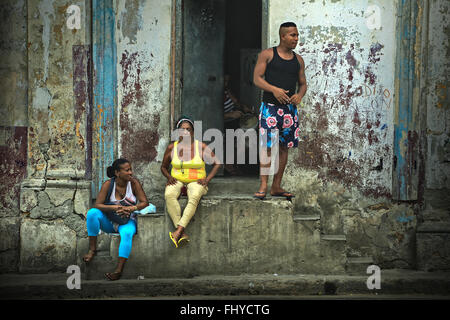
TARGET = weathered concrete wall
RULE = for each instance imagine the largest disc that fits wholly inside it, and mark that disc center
(55, 197)
(433, 249)
(143, 33)
(13, 125)
(56, 118)
(13, 65)
(341, 173)
(343, 167)
(438, 96)
(346, 116)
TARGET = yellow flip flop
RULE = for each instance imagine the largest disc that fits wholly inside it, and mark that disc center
(173, 240)
(183, 241)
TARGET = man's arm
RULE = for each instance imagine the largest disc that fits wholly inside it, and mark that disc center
(302, 87)
(258, 77)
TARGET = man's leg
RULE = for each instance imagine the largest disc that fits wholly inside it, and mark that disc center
(276, 183)
(264, 167)
(289, 136)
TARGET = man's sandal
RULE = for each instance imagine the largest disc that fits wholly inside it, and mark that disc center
(261, 197)
(112, 276)
(285, 194)
(89, 256)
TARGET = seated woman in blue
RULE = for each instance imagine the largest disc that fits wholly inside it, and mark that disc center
(116, 213)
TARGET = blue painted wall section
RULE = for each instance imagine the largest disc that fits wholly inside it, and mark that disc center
(104, 90)
(405, 173)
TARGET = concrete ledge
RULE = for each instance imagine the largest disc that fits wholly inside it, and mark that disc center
(53, 286)
(306, 217)
(230, 238)
(434, 227)
(333, 237)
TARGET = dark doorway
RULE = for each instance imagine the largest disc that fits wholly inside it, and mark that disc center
(243, 36)
(203, 43)
(243, 27)
(219, 37)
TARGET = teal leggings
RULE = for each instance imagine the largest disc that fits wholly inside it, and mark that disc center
(96, 220)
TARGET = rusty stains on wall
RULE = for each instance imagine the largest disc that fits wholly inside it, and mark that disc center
(139, 129)
(13, 166)
(132, 83)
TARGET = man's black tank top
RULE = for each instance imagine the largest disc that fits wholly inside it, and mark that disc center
(282, 74)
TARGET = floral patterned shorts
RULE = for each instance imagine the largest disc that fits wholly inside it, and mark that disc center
(281, 120)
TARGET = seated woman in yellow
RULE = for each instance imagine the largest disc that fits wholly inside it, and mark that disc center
(186, 156)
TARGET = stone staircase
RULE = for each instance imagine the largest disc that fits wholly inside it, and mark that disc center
(232, 234)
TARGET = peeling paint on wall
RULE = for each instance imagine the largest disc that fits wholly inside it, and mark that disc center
(144, 78)
(438, 97)
(348, 106)
(47, 14)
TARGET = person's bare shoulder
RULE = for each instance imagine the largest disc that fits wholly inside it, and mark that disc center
(300, 59)
(135, 181)
(266, 54)
(106, 184)
(170, 147)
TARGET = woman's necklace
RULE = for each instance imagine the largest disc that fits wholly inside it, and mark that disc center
(121, 194)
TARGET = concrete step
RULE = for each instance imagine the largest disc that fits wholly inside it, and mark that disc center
(333, 237)
(358, 265)
(306, 217)
(433, 251)
(332, 252)
(232, 236)
(223, 186)
(53, 286)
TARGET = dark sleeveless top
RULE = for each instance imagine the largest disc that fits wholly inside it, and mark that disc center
(282, 74)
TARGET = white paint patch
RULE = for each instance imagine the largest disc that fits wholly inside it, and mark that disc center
(47, 13)
(41, 99)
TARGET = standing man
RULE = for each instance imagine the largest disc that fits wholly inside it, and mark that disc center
(277, 72)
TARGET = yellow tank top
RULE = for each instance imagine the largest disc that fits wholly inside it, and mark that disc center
(187, 171)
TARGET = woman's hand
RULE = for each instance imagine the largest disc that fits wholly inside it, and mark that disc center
(122, 211)
(171, 181)
(118, 208)
(125, 211)
(203, 182)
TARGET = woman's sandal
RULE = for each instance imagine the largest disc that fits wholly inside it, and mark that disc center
(183, 241)
(89, 256)
(173, 240)
(113, 275)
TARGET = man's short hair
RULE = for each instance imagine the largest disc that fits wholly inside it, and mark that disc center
(286, 25)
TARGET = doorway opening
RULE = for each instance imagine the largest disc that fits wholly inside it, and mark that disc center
(220, 41)
(243, 27)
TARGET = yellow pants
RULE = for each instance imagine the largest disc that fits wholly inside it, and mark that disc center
(195, 191)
